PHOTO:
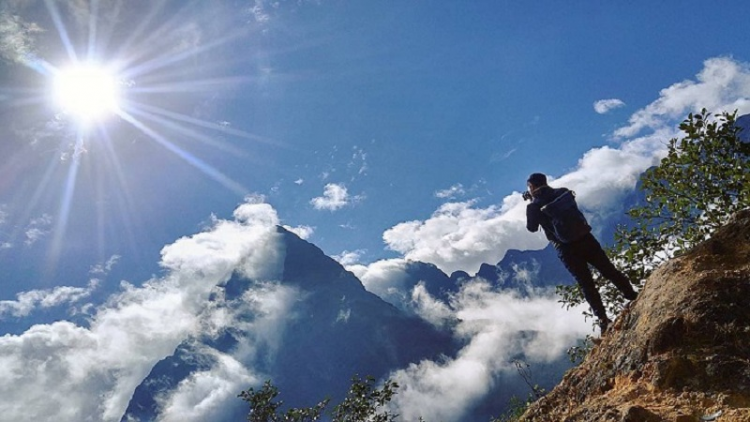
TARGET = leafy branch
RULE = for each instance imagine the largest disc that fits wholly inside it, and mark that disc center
(703, 179)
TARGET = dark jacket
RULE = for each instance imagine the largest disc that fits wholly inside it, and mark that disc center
(536, 218)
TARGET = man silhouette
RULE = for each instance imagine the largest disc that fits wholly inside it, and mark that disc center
(555, 211)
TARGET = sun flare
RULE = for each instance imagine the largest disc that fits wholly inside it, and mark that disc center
(86, 91)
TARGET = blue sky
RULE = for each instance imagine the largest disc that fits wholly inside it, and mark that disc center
(349, 118)
(380, 131)
(390, 108)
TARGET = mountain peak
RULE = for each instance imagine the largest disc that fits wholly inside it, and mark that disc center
(309, 332)
(305, 263)
(678, 352)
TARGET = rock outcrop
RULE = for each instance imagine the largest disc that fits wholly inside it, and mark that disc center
(680, 352)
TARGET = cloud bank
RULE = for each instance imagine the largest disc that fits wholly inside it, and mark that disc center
(722, 85)
(29, 301)
(496, 326)
(385, 278)
(77, 373)
(205, 394)
(492, 323)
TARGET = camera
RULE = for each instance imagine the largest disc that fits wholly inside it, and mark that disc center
(527, 196)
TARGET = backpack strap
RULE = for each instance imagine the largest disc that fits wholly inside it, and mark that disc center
(568, 223)
(562, 203)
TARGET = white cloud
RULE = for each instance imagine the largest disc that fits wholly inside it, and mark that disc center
(335, 196)
(490, 321)
(384, 278)
(387, 279)
(27, 302)
(204, 394)
(52, 371)
(37, 229)
(16, 37)
(502, 156)
(256, 212)
(451, 192)
(259, 13)
(105, 268)
(429, 308)
(33, 234)
(523, 275)
(359, 160)
(604, 106)
(722, 85)
(461, 236)
(347, 258)
(303, 232)
(82, 11)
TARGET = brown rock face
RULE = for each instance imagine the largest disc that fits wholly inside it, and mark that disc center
(679, 352)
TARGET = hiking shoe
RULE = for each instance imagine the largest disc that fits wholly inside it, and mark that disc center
(604, 325)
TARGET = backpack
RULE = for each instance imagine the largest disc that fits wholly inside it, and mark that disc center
(568, 221)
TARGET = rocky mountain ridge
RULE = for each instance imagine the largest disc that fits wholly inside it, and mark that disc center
(677, 353)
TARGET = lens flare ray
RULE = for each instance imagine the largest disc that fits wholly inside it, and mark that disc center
(190, 133)
(62, 31)
(186, 156)
(202, 123)
(164, 61)
(203, 85)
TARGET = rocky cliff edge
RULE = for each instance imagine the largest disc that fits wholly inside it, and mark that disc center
(680, 352)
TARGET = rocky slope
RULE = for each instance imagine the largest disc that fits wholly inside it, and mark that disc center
(680, 352)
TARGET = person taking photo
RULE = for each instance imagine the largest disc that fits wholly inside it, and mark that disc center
(564, 225)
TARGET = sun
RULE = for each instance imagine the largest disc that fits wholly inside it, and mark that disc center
(87, 91)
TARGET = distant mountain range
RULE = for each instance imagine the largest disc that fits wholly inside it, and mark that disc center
(335, 329)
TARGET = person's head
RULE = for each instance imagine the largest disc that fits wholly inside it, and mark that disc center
(536, 181)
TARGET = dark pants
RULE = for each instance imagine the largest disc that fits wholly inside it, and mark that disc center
(578, 255)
